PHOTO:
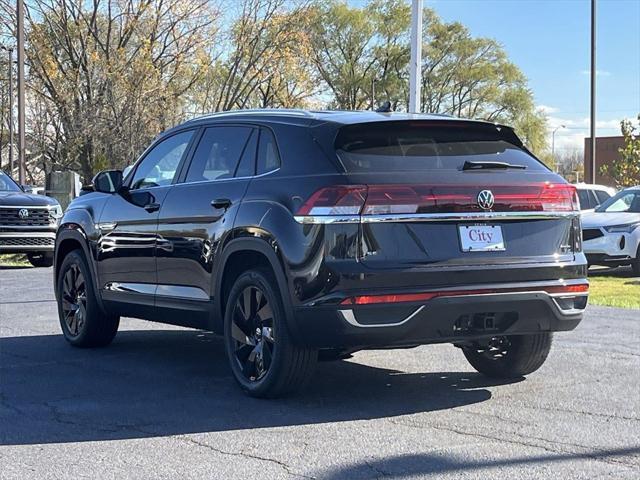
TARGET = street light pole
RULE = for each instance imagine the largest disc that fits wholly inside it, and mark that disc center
(553, 145)
(592, 126)
(415, 75)
(21, 96)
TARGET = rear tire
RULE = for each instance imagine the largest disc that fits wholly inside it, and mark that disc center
(83, 322)
(40, 259)
(510, 357)
(263, 358)
(635, 264)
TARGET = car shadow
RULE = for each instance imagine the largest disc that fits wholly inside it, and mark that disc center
(427, 465)
(165, 382)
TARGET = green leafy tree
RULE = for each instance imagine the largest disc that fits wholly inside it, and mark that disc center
(625, 170)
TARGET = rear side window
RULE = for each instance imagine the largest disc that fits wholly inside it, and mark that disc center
(268, 157)
(218, 153)
(586, 199)
(247, 165)
(416, 146)
(602, 196)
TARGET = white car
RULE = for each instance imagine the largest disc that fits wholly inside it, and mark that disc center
(592, 195)
(611, 233)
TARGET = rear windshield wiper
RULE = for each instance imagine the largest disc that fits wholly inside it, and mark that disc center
(490, 165)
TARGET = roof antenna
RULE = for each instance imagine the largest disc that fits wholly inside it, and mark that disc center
(384, 108)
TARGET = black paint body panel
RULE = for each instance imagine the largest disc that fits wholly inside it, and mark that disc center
(182, 250)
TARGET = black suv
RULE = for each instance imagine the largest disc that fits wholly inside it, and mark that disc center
(305, 235)
(28, 222)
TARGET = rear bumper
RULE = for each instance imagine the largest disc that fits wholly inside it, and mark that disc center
(27, 241)
(455, 319)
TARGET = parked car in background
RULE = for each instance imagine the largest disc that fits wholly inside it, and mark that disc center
(33, 189)
(300, 235)
(611, 233)
(28, 222)
(592, 195)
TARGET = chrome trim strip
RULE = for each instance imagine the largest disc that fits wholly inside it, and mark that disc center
(29, 228)
(351, 319)
(180, 291)
(32, 207)
(456, 217)
(326, 219)
(220, 180)
(27, 234)
(433, 217)
(106, 226)
(569, 311)
(164, 291)
(142, 288)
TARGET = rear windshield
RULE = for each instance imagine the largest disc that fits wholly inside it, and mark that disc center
(412, 146)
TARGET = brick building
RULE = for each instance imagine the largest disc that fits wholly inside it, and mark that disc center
(606, 152)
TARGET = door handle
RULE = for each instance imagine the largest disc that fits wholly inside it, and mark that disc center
(152, 207)
(221, 203)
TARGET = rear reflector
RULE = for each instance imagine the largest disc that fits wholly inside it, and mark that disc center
(580, 288)
(416, 199)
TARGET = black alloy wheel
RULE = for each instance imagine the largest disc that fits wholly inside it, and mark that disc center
(252, 330)
(509, 356)
(83, 322)
(264, 358)
(74, 300)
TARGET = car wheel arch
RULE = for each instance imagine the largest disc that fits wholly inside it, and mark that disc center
(72, 237)
(227, 271)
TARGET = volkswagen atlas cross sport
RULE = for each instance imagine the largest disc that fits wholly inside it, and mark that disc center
(303, 235)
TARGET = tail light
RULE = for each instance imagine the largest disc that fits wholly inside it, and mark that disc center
(575, 289)
(337, 200)
(412, 199)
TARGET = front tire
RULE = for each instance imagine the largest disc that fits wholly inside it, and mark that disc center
(263, 358)
(40, 259)
(83, 322)
(509, 357)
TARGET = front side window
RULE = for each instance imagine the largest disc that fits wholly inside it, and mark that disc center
(159, 166)
(218, 153)
(622, 202)
(6, 184)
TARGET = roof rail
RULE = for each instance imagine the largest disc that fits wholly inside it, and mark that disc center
(254, 111)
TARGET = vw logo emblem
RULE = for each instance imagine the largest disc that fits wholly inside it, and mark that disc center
(485, 199)
(23, 213)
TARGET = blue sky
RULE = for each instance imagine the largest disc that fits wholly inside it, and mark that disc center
(549, 40)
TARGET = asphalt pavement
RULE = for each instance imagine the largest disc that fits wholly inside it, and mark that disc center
(160, 403)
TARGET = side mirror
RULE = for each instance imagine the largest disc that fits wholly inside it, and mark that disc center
(108, 181)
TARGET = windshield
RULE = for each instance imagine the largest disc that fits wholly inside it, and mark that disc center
(7, 184)
(413, 147)
(625, 201)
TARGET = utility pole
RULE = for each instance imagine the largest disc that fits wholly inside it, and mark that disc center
(10, 122)
(373, 94)
(21, 97)
(593, 92)
(415, 76)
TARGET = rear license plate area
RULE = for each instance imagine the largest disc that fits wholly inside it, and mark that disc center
(481, 238)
